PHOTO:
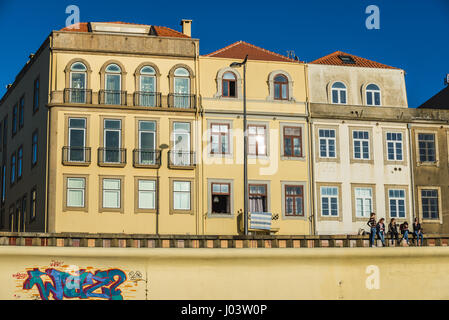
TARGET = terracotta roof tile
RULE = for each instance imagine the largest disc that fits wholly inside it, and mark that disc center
(160, 31)
(333, 59)
(240, 49)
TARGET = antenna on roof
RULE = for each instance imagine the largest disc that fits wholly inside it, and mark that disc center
(446, 80)
(291, 54)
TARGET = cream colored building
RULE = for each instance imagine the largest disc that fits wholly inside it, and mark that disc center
(361, 143)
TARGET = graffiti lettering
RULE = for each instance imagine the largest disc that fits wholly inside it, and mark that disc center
(55, 263)
(19, 275)
(82, 285)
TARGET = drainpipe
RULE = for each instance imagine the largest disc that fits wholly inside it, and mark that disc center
(198, 195)
(412, 175)
(47, 165)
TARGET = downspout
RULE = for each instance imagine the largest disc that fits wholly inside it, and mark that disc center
(47, 165)
(198, 134)
(412, 174)
(311, 183)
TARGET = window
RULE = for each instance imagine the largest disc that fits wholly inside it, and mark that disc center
(77, 139)
(147, 87)
(394, 146)
(294, 200)
(113, 84)
(112, 136)
(13, 168)
(181, 144)
(147, 142)
(78, 76)
(280, 87)
(36, 95)
(372, 95)
(111, 193)
(220, 138)
(258, 198)
(181, 195)
(3, 183)
(19, 162)
(221, 198)
(430, 205)
(147, 194)
(14, 119)
(181, 88)
(363, 202)
(34, 149)
(257, 144)
(338, 93)
(76, 188)
(23, 211)
(347, 59)
(33, 202)
(229, 85)
(361, 145)
(329, 201)
(5, 131)
(396, 198)
(292, 142)
(327, 138)
(21, 112)
(426, 145)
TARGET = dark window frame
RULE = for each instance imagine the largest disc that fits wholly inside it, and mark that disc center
(21, 163)
(220, 135)
(281, 85)
(259, 194)
(294, 200)
(21, 117)
(36, 95)
(33, 204)
(228, 194)
(13, 172)
(34, 163)
(229, 81)
(14, 120)
(291, 138)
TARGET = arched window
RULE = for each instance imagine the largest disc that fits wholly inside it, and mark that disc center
(229, 85)
(339, 93)
(113, 84)
(280, 87)
(78, 76)
(181, 88)
(372, 95)
(147, 87)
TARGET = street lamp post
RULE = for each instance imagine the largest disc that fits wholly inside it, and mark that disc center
(245, 144)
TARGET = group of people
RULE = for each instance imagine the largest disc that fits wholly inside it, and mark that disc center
(379, 229)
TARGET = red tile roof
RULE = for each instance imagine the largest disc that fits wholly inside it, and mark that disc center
(159, 31)
(333, 59)
(240, 49)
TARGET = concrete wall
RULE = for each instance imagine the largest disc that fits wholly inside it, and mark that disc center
(384, 273)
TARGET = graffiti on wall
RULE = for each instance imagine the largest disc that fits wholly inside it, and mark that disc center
(58, 281)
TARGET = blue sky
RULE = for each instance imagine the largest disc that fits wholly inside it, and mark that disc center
(413, 34)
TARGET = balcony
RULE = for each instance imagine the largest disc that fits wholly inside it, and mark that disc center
(146, 158)
(113, 97)
(80, 96)
(147, 99)
(182, 101)
(181, 159)
(111, 157)
(76, 156)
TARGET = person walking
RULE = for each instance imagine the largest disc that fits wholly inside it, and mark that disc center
(372, 224)
(393, 231)
(380, 228)
(404, 231)
(417, 232)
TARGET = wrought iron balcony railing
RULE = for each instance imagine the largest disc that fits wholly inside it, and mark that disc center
(76, 155)
(147, 99)
(182, 101)
(181, 159)
(146, 158)
(111, 157)
(113, 97)
(82, 96)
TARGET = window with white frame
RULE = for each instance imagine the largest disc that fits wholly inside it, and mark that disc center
(363, 202)
(181, 195)
(76, 188)
(147, 194)
(77, 139)
(394, 146)
(327, 142)
(396, 199)
(329, 201)
(338, 93)
(221, 198)
(361, 147)
(111, 193)
(257, 140)
(372, 95)
(220, 138)
(430, 204)
(78, 76)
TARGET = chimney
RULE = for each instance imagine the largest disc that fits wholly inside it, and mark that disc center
(186, 27)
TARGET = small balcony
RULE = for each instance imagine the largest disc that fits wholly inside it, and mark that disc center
(78, 96)
(76, 156)
(182, 101)
(111, 157)
(181, 159)
(147, 99)
(113, 97)
(146, 158)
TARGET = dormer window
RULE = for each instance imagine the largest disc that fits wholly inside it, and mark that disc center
(338, 93)
(229, 85)
(373, 95)
(347, 59)
(280, 87)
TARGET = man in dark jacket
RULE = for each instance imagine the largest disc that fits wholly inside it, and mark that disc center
(417, 232)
